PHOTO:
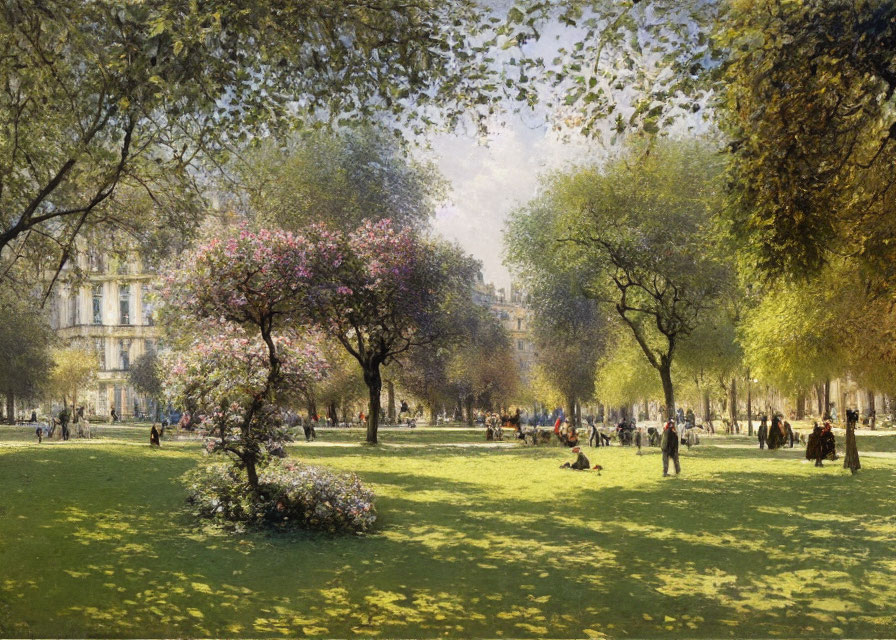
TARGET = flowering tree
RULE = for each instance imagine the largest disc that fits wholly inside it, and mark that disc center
(232, 301)
(381, 291)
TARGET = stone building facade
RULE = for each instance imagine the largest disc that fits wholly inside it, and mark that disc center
(108, 311)
(516, 318)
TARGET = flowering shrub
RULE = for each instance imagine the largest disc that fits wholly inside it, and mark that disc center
(290, 495)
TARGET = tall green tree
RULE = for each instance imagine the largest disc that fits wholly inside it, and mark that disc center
(568, 329)
(25, 362)
(639, 232)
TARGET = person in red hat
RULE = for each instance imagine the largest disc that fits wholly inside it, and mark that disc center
(581, 463)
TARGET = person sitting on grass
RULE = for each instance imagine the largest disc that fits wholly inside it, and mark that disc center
(581, 463)
(571, 437)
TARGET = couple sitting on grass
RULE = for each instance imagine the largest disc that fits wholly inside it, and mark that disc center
(581, 463)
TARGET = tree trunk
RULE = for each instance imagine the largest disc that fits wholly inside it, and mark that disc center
(872, 410)
(732, 402)
(819, 398)
(251, 472)
(468, 403)
(801, 405)
(432, 415)
(707, 408)
(571, 409)
(10, 407)
(375, 387)
(749, 404)
(668, 392)
(827, 399)
(390, 393)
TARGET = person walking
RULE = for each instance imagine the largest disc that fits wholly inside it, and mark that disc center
(63, 423)
(638, 440)
(763, 434)
(813, 445)
(669, 446)
(593, 435)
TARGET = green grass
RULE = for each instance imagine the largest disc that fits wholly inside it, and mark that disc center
(95, 541)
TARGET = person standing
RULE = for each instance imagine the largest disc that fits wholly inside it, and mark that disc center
(788, 433)
(669, 446)
(154, 437)
(593, 435)
(63, 423)
(851, 456)
(813, 445)
(763, 434)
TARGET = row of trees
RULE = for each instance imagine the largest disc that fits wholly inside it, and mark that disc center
(638, 285)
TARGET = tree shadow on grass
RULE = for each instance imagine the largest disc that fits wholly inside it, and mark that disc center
(478, 543)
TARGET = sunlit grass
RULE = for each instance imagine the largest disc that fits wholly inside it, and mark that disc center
(94, 541)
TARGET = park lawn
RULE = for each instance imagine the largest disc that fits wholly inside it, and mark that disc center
(95, 541)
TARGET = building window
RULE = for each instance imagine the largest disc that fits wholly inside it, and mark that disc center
(98, 304)
(147, 306)
(124, 303)
(95, 260)
(100, 349)
(519, 345)
(124, 356)
(74, 317)
(519, 324)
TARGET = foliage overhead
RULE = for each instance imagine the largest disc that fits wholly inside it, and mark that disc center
(339, 179)
(104, 99)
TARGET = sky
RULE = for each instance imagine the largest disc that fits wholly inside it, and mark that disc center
(490, 178)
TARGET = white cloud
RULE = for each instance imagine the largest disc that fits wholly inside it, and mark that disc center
(492, 177)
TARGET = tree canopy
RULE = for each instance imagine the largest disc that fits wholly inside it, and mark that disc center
(101, 100)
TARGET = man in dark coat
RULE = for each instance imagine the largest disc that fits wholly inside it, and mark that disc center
(775, 433)
(828, 443)
(763, 435)
(669, 446)
(813, 445)
(154, 437)
(63, 423)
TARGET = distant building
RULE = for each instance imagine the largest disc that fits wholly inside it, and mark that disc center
(108, 311)
(516, 318)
